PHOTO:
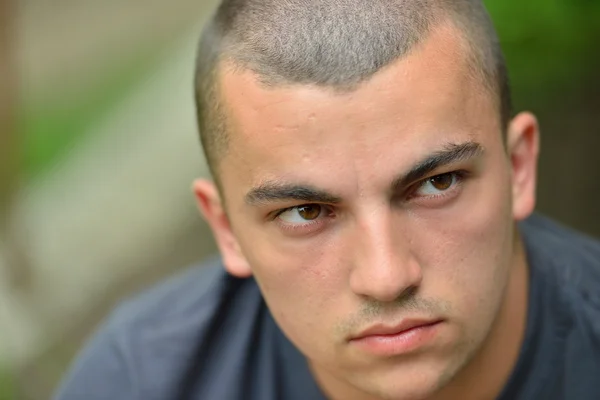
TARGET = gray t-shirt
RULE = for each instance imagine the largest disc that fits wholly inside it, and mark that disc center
(207, 335)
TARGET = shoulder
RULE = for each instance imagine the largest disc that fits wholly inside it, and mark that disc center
(162, 327)
(572, 260)
(190, 295)
(572, 255)
(148, 341)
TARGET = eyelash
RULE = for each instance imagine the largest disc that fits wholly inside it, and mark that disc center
(299, 227)
(460, 176)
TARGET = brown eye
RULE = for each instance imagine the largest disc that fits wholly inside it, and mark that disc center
(442, 182)
(302, 214)
(309, 212)
(438, 184)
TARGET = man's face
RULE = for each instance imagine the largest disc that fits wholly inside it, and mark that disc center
(387, 205)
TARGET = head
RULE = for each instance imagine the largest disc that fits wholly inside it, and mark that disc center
(368, 172)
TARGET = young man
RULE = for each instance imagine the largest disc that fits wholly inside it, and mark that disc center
(372, 205)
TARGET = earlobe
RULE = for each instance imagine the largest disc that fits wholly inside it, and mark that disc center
(211, 207)
(523, 148)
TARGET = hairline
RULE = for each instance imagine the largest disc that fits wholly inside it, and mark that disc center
(485, 76)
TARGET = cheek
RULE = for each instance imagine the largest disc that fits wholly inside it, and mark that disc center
(466, 250)
(302, 284)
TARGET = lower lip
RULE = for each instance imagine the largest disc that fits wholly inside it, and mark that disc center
(401, 343)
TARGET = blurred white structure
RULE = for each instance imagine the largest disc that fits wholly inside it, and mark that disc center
(114, 206)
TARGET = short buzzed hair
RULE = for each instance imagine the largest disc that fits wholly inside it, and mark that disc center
(331, 43)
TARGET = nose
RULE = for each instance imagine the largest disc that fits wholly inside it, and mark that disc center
(384, 268)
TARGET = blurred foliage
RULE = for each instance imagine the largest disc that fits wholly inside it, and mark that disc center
(51, 129)
(549, 45)
(6, 386)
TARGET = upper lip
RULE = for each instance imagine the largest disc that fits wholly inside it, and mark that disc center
(403, 326)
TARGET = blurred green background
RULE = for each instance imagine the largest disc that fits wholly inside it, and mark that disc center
(118, 76)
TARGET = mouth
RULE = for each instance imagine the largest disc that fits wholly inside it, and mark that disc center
(405, 337)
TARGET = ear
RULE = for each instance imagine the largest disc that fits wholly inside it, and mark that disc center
(211, 207)
(523, 143)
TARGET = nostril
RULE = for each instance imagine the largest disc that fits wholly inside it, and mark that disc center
(409, 292)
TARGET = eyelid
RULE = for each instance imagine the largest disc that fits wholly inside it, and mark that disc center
(304, 228)
(460, 175)
(438, 172)
(277, 213)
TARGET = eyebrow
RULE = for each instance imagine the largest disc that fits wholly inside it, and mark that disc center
(452, 153)
(274, 191)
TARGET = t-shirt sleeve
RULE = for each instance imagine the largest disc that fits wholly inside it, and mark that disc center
(101, 371)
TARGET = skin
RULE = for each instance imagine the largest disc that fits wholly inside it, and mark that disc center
(384, 246)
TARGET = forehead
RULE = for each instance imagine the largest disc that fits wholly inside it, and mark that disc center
(301, 132)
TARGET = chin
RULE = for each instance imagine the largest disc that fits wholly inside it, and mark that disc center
(418, 384)
(417, 380)
(414, 392)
